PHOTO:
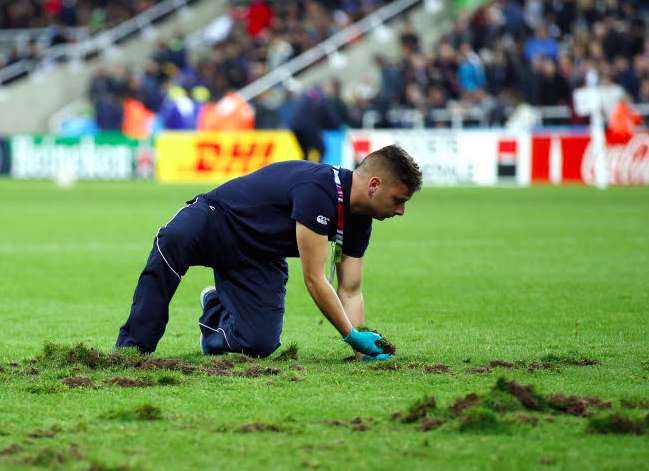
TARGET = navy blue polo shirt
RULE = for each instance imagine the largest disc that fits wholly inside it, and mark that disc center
(261, 208)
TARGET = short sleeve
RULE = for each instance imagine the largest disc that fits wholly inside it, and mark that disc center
(313, 207)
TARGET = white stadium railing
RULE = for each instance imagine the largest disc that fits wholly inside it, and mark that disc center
(458, 117)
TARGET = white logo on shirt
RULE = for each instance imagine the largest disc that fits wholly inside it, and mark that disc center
(322, 220)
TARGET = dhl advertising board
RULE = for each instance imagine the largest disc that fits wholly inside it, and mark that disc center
(198, 157)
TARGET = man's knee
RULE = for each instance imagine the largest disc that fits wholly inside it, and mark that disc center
(261, 346)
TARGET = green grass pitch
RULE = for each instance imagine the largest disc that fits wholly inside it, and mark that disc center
(470, 275)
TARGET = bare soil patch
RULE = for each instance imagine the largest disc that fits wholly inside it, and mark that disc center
(124, 382)
(78, 382)
(252, 427)
(439, 368)
(258, 370)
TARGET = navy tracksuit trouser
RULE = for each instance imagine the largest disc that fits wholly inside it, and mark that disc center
(245, 313)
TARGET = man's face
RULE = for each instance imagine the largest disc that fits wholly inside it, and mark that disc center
(387, 198)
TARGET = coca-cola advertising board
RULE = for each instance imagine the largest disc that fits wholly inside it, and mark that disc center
(570, 158)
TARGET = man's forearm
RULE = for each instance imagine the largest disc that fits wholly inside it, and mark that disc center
(328, 302)
(353, 305)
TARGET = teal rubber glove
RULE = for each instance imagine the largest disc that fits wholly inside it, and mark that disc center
(364, 342)
(379, 357)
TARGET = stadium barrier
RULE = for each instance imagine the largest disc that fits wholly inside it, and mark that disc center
(200, 157)
(101, 157)
(498, 156)
(446, 157)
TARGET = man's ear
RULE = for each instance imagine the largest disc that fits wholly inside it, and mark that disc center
(372, 185)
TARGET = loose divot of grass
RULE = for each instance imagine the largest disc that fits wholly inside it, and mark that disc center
(577, 405)
(78, 382)
(103, 467)
(61, 356)
(45, 433)
(142, 412)
(47, 388)
(258, 370)
(222, 364)
(168, 380)
(506, 398)
(357, 424)
(289, 353)
(383, 343)
(97, 466)
(569, 359)
(479, 370)
(524, 393)
(525, 419)
(635, 403)
(10, 450)
(417, 411)
(296, 367)
(479, 419)
(430, 423)
(52, 457)
(617, 423)
(252, 427)
(385, 366)
(439, 368)
(547, 460)
(460, 405)
(538, 365)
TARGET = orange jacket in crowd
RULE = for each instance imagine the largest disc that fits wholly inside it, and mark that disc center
(138, 119)
(229, 113)
(622, 121)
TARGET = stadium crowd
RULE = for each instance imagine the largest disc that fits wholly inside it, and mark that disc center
(505, 53)
(174, 92)
(56, 22)
(513, 51)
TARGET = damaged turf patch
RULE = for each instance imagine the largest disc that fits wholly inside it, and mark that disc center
(576, 405)
(289, 353)
(78, 382)
(124, 382)
(258, 370)
(569, 359)
(61, 356)
(439, 368)
(420, 409)
(507, 399)
(617, 423)
(357, 424)
(143, 412)
(635, 403)
(255, 427)
(479, 419)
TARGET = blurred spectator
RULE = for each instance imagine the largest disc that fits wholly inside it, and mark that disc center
(541, 44)
(178, 111)
(471, 76)
(312, 113)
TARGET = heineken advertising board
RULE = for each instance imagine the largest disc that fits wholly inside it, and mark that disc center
(102, 157)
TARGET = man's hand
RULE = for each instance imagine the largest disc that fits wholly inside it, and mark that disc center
(379, 357)
(364, 342)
